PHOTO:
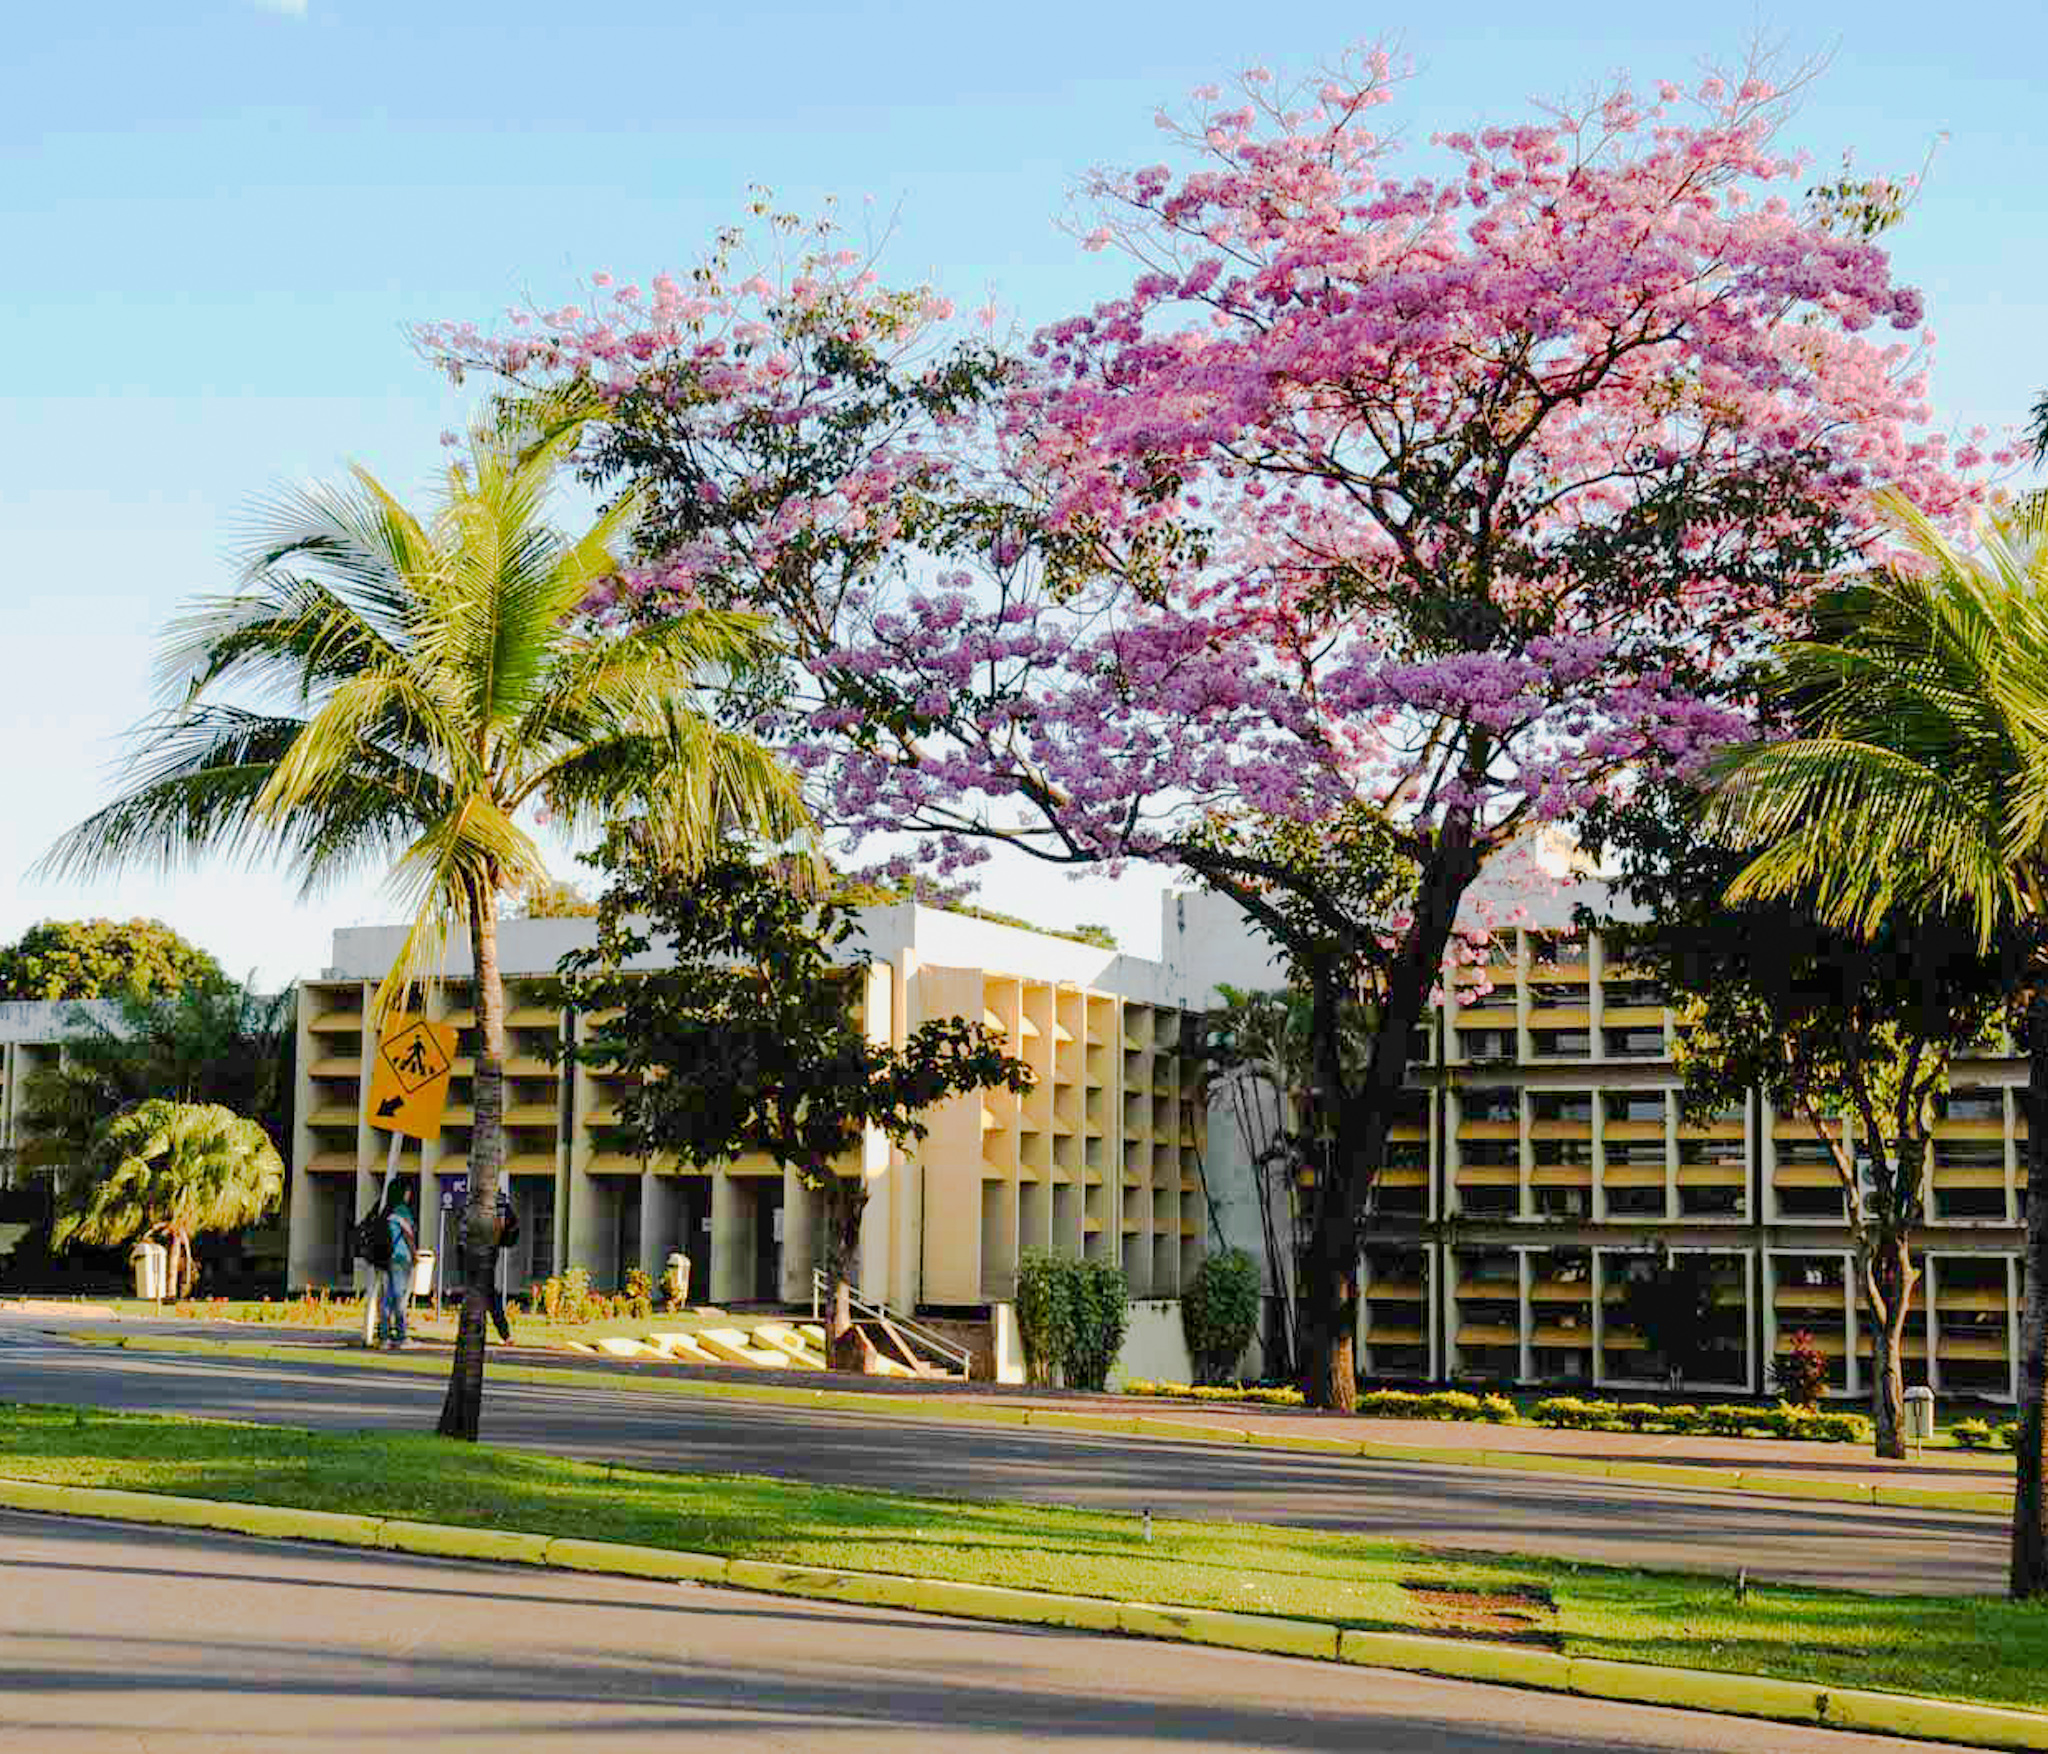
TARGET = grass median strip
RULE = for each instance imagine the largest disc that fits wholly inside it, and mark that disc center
(1971, 1649)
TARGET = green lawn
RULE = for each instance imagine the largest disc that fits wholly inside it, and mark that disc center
(1978, 1649)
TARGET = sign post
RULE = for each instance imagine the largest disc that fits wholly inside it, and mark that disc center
(408, 1094)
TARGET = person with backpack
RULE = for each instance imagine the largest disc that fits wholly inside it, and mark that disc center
(401, 1244)
(484, 1271)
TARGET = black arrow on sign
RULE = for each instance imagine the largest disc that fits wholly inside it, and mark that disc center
(389, 1107)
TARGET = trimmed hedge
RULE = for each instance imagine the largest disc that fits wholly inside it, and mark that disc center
(1181, 1391)
(1448, 1404)
(1567, 1413)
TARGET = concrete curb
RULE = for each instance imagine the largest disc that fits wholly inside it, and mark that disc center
(1756, 1696)
(1760, 1482)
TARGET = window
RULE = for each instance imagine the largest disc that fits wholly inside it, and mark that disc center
(1490, 1200)
(1821, 1204)
(1616, 995)
(1637, 1043)
(1635, 1105)
(1562, 1044)
(1968, 1205)
(1711, 1202)
(1547, 950)
(1487, 1044)
(1490, 1153)
(1573, 1153)
(1493, 1102)
(1562, 1105)
(1972, 1105)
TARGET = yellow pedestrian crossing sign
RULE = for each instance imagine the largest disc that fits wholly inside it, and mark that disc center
(409, 1083)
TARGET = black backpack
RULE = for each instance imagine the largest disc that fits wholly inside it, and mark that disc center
(372, 1238)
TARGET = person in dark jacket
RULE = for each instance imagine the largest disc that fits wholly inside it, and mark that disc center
(484, 1272)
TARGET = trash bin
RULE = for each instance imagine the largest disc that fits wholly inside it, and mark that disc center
(1919, 1415)
(423, 1274)
(675, 1277)
(152, 1262)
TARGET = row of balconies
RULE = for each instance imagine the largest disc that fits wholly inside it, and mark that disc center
(1546, 1316)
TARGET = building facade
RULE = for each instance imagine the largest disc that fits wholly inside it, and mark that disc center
(1100, 1158)
(1545, 1157)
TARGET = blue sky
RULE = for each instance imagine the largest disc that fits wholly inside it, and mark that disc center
(220, 214)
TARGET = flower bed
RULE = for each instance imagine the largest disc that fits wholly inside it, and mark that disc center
(1566, 1413)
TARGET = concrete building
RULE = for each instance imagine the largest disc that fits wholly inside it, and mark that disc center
(32, 1036)
(1101, 1157)
(1545, 1158)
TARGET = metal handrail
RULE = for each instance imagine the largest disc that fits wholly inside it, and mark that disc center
(958, 1356)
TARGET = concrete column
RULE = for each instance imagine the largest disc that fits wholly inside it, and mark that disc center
(1525, 1363)
(2013, 1308)
(1598, 1277)
(660, 1224)
(590, 1234)
(732, 1239)
(803, 1242)
(1929, 1297)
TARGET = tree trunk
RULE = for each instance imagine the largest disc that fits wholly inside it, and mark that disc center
(845, 1204)
(1888, 1280)
(2030, 1505)
(462, 1412)
(1364, 1119)
(1329, 1325)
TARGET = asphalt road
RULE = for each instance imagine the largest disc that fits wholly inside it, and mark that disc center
(114, 1638)
(1601, 1521)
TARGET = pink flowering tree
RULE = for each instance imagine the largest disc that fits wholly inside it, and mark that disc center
(1388, 515)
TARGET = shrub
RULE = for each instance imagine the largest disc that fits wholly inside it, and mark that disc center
(1972, 1433)
(576, 1295)
(1219, 1313)
(639, 1298)
(1264, 1397)
(2009, 1435)
(1045, 1313)
(1101, 1302)
(1800, 1373)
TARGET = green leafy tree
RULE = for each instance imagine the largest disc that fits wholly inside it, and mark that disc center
(1830, 1024)
(407, 693)
(1045, 1312)
(1918, 785)
(1219, 1313)
(174, 1170)
(223, 1044)
(755, 1040)
(101, 959)
(1669, 1302)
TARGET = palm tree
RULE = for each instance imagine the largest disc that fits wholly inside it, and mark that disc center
(410, 693)
(1922, 787)
(175, 1170)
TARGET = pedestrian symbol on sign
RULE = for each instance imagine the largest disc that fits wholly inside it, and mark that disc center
(409, 1082)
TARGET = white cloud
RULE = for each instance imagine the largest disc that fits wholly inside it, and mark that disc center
(290, 8)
